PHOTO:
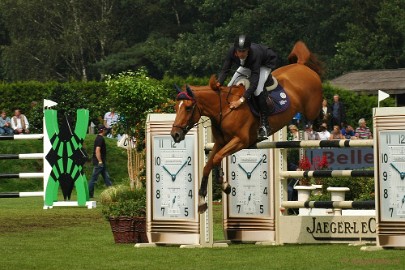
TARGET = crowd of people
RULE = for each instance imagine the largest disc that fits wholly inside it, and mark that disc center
(333, 125)
(17, 124)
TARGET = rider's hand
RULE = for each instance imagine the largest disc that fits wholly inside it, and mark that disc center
(218, 84)
(237, 103)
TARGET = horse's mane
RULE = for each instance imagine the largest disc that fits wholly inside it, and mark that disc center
(300, 54)
(213, 83)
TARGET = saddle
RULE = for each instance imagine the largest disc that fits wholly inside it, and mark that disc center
(278, 100)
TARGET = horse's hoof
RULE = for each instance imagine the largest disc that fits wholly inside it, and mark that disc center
(228, 189)
(202, 208)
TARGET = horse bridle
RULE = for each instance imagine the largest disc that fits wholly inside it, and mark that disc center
(189, 126)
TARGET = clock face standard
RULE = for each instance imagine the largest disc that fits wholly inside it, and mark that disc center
(392, 175)
(173, 178)
(248, 174)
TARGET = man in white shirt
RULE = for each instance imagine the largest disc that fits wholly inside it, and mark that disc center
(19, 123)
(110, 119)
(324, 134)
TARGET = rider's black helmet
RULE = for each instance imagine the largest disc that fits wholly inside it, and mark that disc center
(242, 43)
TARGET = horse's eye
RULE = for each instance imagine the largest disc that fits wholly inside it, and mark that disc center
(188, 109)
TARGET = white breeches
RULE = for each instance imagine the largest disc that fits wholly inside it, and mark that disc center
(242, 75)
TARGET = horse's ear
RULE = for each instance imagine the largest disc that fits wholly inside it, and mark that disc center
(189, 91)
(177, 88)
(213, 83)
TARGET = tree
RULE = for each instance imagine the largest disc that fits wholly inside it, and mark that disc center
(132, 94)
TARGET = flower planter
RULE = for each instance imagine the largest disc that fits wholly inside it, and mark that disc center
(129, 229)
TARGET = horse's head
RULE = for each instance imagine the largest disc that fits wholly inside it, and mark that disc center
(186, 115)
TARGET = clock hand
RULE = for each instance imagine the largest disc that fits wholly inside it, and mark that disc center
(174, 200)
(182, 166)
(172, 175)
(401, 174)
(250, 196)
(260, 161)
(243, 169)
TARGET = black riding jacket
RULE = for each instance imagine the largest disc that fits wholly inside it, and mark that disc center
(259, 55)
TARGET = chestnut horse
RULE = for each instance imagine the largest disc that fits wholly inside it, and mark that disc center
(236, 129)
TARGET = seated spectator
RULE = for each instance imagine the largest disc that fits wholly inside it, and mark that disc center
(363, 132)
(335, 134)
(348, 132)
(323, 133)
(110, 118)
(5, 124)
(295, 136)
(19, 123)
(310, 134)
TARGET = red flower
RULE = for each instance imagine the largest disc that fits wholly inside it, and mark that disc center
(305, 165)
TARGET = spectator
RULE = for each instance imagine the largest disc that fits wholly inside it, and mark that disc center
(5, 124)
(336, 134)
(99, 161)
(323, 133)
(348, 132)
(363, 132)
(310, 134)
(325, 115)
(19, 123)
(110, 118)
(295, 135)
(338, 112)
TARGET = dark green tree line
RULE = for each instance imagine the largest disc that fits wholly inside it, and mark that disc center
(85, 40)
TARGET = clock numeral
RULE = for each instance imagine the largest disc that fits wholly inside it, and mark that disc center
(157, 161)
(173, 144)
(264, 158)
(157, 194)
(233, 159)
(189, 177)
(238, 206)
(160, 143)
(190, 193)
(265, 191)
(385, 176)
(186, 211)
(384, 158)
(385, 193)
(233, 175)
(163, 210)
(189, 161)
(388, 137)
(391, 209)
(402, 139)
(261, 209)
(157, 177)
(264, 174)
(234, 191)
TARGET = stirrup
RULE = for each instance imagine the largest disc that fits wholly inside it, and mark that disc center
(264, 132)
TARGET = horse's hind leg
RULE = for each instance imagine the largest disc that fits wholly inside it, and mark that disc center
(218, 174)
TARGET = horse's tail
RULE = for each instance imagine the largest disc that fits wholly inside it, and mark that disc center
(300, 54)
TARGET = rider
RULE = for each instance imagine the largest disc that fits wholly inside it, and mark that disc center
(260, 60)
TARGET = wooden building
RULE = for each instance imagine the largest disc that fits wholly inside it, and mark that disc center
(368, 82)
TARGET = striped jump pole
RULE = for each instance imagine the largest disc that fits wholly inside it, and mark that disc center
(22, 156)
(328, 173)
(330, 204)
(22, 137)
(21, 194)
(21, 175)
(307, 144)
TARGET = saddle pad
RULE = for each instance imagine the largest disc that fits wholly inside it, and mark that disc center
(280, 100)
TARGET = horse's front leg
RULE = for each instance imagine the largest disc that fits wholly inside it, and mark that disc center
(202, 193)
(232, 147)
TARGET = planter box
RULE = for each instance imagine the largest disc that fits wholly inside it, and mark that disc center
(129, 229)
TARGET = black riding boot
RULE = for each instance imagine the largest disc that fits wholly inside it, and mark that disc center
(264, 128)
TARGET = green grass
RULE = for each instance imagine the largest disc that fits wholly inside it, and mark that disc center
(79, 238)
(116, 162)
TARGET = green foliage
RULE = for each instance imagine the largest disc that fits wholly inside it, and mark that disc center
(121, 201)
(132, 94)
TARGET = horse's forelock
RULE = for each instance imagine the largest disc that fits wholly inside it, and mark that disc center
(183, 96)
